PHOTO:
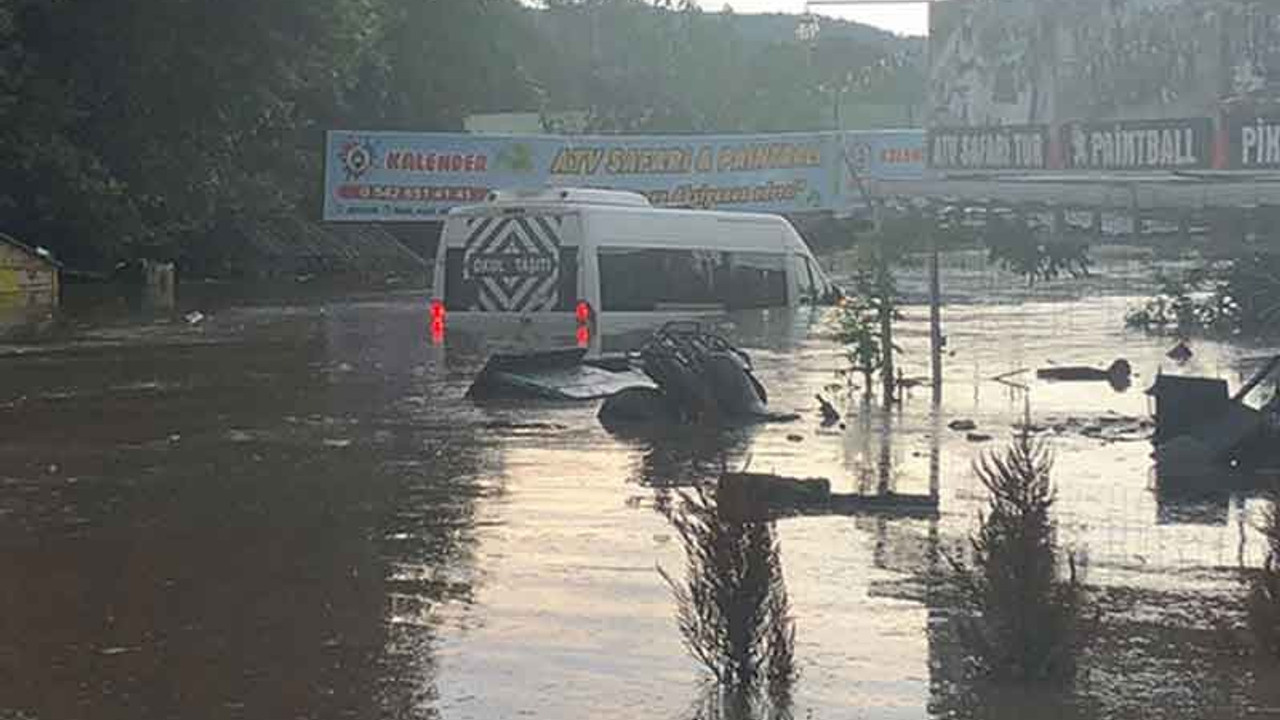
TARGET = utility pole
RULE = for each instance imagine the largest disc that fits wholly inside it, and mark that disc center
(936, 340)
(808, 29)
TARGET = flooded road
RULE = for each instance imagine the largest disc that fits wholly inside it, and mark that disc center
(289, 510)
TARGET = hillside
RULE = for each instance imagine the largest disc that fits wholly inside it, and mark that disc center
(185, 132)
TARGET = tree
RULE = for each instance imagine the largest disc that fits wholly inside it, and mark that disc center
(137, 127)
(187, 129)
(732, 607)
(54, 191)
(1026, 621)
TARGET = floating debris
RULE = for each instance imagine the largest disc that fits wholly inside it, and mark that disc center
(518, 426)
(1180, 353)
(747, 496)
(1004, 379)
(554, 375)
(962, 425)
(830, 416)
(1119, 374)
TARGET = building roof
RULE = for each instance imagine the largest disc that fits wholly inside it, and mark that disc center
(36, 252)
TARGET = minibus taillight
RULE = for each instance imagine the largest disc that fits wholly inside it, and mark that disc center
(437, 320)
(584, 315)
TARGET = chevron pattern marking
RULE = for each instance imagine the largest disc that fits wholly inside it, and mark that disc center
(514, 261)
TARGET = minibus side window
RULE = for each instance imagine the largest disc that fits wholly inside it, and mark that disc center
(757, 280)
(646, 279)
(804, 279)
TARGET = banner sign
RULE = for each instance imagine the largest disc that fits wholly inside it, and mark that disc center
(999, 147)
(390, 177)
(1254, 143)
(886, 154)
(1176, 144)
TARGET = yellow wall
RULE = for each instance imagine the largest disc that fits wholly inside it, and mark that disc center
(26, 280)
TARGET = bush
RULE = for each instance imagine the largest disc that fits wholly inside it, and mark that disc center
(1025, 619)
(863, 319)
(1197, 301)
(857, 328)
(1240, 296)
(732, 608)
(1015, 245)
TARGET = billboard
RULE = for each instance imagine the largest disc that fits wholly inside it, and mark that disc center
(1253, 138)
(1180, 144)
(1121, 84)
(996, 147)
(400, 177)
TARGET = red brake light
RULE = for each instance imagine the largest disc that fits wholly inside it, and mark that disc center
(437, 314)
(583, 312)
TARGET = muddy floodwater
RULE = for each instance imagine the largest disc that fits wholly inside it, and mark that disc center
(288, 510)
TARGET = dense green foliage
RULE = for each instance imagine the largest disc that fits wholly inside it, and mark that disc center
(173, 128)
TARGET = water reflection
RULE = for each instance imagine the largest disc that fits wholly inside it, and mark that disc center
(731, 603)
(281, 522)
(1192, 507)
(691, 456)
(869, 449)
(257, 529)
(733, 610)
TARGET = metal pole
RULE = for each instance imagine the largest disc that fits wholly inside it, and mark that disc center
(936, 340)
(836, 109)
(889, 381)
(1135, 212)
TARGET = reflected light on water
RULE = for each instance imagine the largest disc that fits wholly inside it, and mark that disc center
(291, 510)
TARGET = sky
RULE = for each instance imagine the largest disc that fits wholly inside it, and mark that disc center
(905, 19)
